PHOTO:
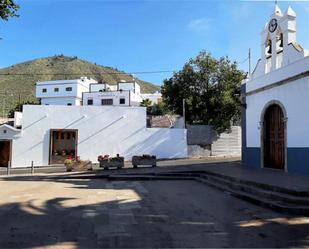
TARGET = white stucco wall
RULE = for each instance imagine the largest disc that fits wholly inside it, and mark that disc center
(62, 96)
(50, 89)
(61, 101)
(102, 87)
(130, 86)
(153, 97)
(8, 132)
(294, 97)
(285, 72)
(101, 130)
(135, 99)
(17, 119)
(131, 99)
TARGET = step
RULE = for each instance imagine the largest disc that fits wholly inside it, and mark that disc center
(264, 186)
(278, 196)
(140, 177)
(274, 205)
(247, 183)
(282, 197)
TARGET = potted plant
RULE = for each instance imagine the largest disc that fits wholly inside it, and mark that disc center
(76, 164)
(107, 162)
(69, 164)
(145, 159)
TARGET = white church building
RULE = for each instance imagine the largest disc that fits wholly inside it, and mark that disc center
(275, 100)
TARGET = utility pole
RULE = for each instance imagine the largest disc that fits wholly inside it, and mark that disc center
(184, 111)
(3, 102)
(19, 107)
(249, 56)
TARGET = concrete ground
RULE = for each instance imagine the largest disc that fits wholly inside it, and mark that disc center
(128, 165)
(42, 212)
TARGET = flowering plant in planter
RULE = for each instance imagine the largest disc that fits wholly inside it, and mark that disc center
(76, 163)
(107, 162)
(147, 156)
(116, 159)
(102, 158)
(69, 163)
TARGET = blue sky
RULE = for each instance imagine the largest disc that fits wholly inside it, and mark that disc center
(141, 35)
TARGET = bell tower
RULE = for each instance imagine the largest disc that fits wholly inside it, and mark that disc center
(278, 33)
(289, 31)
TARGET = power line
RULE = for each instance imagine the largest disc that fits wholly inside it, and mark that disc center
(241, 62)
(86, 73)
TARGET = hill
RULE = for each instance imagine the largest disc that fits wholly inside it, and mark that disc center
(17, 82)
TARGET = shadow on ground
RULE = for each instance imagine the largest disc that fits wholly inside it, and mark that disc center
(84, 211)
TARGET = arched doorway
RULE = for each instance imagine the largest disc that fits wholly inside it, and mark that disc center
(274, 137)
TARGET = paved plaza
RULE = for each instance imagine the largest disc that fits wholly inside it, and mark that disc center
(38, 212)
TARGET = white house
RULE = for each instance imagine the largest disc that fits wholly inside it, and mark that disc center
(50, 133)
(63, 92)
(114, 98)
(155, 98)
(85, 91)
(123, 94)
(275, 100)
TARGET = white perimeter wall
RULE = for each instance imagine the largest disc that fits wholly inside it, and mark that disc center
(295, 98)
(101, 130)
(61, 101)
(154, 98)
(102, 87)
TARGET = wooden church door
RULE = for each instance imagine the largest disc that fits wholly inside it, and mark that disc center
(274, 138)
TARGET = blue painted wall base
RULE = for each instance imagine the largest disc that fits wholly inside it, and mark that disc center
(251, 157)
(298, 159)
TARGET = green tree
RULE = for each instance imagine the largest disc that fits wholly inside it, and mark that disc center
(8, 8)
(158, 109)
(154, 109)
(210, 88)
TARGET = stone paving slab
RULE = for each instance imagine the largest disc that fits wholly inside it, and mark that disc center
(224, 166)
(264, 176)
(229, 168)
(128, 165)
(96, 213)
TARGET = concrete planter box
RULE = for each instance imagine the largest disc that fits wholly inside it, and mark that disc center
(141, 160)
(113, 162)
